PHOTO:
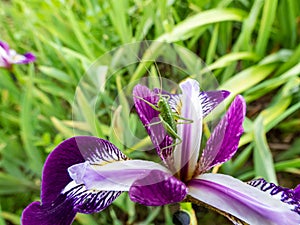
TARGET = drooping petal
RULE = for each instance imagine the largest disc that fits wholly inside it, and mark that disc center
(55, 173)
(241, 200)
(186, 153)
(288, 196)
(37, 214)
(157, 188)
(223, 142)
(75, 198)
(116, 176)
(159, 137)
(209, 100)
(62, 196)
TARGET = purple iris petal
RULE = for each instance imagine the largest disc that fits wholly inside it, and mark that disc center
(241, 200)
(29, 57)
(55, 174)
(116, 176)
(211, 99)
(64, 208)
(186, 153)
(62, 196)
(8, 56)
(4, 46)
(297, 191)
(37, 214)
(148, 116)
(224, 140)
(158, 188)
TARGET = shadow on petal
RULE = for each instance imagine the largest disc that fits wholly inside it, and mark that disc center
(168, 190)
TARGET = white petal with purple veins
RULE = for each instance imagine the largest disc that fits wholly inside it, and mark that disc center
(241, 200)
(116, 176)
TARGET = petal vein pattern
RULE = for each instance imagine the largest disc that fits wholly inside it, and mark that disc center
(241, 200)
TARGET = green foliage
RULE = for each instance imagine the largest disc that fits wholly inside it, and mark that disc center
(252, 47)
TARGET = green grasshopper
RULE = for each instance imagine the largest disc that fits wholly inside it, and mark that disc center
(167, 117)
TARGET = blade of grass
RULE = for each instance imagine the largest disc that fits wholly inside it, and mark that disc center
(263, 161)
(268, 16)
(26, 125)
(87, 110)
(184, 30)
(247, 78)
(212, 45)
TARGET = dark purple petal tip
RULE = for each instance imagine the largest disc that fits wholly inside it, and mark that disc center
(55, 174)
(61, 212)
(63, 209)
(168, 190)
(30, 57)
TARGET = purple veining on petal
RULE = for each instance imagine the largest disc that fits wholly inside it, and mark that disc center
(241, 200)
(99, 151)
(186, 153)
(288, 196)
(64, 208)
(223, 142)
(148, 192)
(148, 115)
(211, 99)
(61, 198)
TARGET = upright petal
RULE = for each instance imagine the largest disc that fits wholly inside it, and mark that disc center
(157, 188)
(61, 197)
(240, 200)
(186, 153)
(148, 116)
(75, 198)
(209, 100)
(224, 140)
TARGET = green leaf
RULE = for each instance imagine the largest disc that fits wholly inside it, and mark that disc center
(247, 78)
(269, 14)
(263, 161)
(187, 27)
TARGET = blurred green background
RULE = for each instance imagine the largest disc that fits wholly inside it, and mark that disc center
(251, 46)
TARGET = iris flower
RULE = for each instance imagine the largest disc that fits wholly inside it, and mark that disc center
(86, 174)
(8, 56)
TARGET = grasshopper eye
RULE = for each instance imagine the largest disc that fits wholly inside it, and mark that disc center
(181, 218)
